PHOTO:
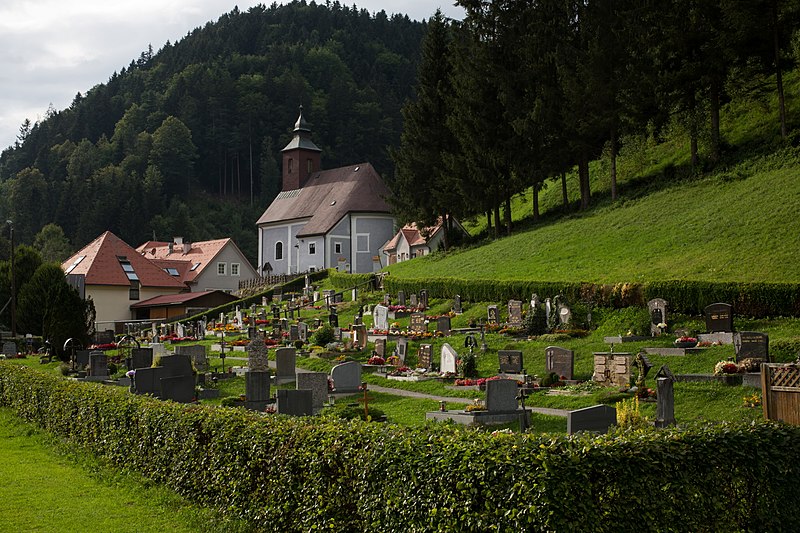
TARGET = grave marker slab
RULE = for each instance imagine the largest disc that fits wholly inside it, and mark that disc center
(457, 309)
(597, 418)
(360, 336)
(719, 317)
(302, 331)
(492, 316)
(447, 364)
(294, 333)
(176, 365)
(658, 314)
(294, 402)
(82, 360)
(443, 325)
(418, 324)
(425, 356)
(148, 380)
(423, 298)
(141, 358)
(178, 388)
(501, 395)
(9, 349)
(98, 364)
(258, 355)
(402, 350)
(256, 387)
(510, 361)
(413, 300)
(401, 298)
(380, 318)
(380, 347)
(317, 383)
(612, 369)
(285, 363)
(559, 361)
(346, 376)
(197, 355)
(515, 313)
(751, 345)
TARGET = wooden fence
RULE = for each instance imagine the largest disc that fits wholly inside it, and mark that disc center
(780, 392)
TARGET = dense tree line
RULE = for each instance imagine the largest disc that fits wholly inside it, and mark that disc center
(522, 92)
(185, 141)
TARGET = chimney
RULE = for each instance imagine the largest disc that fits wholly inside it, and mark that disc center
(187, 246)
(178, 240)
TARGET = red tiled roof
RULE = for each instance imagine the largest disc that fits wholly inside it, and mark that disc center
(412, 235)
(177, 299)
(328, 196)
(100, 264)
(202, 252)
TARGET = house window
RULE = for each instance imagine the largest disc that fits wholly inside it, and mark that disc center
(234, 269)
(133, 293)
(172, 271)
(310, 166)
(278, 251)
(312, 248)
(337, 247)
(194, 267)
(289, 165)
(127, 268)
(221, 269)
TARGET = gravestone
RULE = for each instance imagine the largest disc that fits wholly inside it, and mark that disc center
(285, 362)
(447, 364)
(492, 315)
(179, 389)
(98, 365)
(515, 313)
(425, 356)
(380, 347)
(380, 318)
(564, 315)
(197, 355)
(338, 297)
(256, 389)
(258, 355)
(159, 350)
(401, 298)
(333, 319)
(337, 333)
(176, 365)
(418, 324)
(719, 317)
(302, 331)
(294, 333)
(597, 418)
(612, 369)
(751, 345)
(423, 298)
(535, 301)
(104, 337)
(251, 332)
(510, 361)
(148, 380)
(327, 295)
(413, 301)
(317, 383)
(9, 349)
(457, 304)
(82, 360)
(141, 358)
(346, 376)
(443, 325)
(559, 361)
(294, 402)
(501, 395)
(402, 350)
(665, 407)
(658, 314)
(387, 300)
(360, 336)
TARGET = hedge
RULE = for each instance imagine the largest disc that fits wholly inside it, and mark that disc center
(289, 474)
(342, 280)
(689, 297)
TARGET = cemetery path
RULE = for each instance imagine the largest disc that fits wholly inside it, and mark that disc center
(425, 396)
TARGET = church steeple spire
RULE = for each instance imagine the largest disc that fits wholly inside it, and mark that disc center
(301, 157)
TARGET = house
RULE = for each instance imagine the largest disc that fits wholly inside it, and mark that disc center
(411, 242)
(323, 218)
(201, 266)
(172, 306)
(114, 276)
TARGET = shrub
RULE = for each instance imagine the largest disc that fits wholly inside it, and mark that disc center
(784, 350)
(323, 336)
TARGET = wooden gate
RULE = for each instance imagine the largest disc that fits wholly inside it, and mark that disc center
(780, 391)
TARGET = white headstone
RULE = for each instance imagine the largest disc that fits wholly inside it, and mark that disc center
(380, 317)
(448, 360)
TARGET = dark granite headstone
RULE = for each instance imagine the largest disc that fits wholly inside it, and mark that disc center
(285, 363)
(443, 325)
(380, 347)
(719, 317)
(179, 389)
(98, 364)
(176, 365)
(104, 337)
(141, 358)
(294, 333)
(333, 320)
(256, 387)
(346, 376)
(418, 324)
(751, 345)
(401, 298)
(148, 380)
(294, 402)
(413, 302)
(597, 418)
(317, 383)
(196, 354)
(493, 316)
(457, 304)
(425, 356)
(515, 313)
(402, 350)
(82, 359)
(559, 361)
(423, 298)
(510, 361)
(501, 395)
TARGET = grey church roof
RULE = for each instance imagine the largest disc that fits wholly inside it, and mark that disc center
(327, 197)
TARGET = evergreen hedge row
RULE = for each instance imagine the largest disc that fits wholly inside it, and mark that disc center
(343, 280)
(287, 474)
(689, 297)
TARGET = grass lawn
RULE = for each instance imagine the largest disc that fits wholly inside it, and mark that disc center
(48, 487)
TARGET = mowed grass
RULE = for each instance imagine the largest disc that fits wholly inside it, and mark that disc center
(45, 487)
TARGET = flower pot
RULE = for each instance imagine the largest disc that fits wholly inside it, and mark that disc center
(686, 344)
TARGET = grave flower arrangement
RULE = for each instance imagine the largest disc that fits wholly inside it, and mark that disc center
(686, 342)
(725, 368)
(376, 360)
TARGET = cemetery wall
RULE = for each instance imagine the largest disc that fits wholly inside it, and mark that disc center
(689, 297)
(292, 475)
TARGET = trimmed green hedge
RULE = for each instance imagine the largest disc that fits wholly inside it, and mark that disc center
(287, 474)
(342, 280)
(688, 297)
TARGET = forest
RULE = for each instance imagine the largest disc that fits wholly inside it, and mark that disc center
(457, 116)
(186, 140)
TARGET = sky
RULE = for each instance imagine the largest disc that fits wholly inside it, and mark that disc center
(50, 50)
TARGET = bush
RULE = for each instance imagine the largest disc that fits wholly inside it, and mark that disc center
(323, 336)
(288, 474)
(784, 350)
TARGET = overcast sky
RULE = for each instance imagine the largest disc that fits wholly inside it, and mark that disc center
(52, 49)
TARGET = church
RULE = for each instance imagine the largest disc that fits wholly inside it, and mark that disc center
(337, 218)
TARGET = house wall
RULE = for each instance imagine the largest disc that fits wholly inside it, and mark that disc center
(112, 302)
(307, 259)
(369, 233)
(284, 233)
(340, 235)
(403, 250)
(209, 279)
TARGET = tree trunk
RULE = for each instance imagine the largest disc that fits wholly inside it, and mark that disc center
(695, 160)
(564, 190)
(778, 72)
(445, 230)
(715, 136)
(489, 219)
(508, 214)
(536, 202)
(583, 178)
(613, 165)
(497, 220)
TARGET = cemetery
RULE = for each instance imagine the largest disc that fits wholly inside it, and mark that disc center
(517, 371)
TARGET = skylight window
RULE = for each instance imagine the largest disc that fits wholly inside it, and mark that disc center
(75, 263)
(127, 268)
(172, 271)
(194, 267)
